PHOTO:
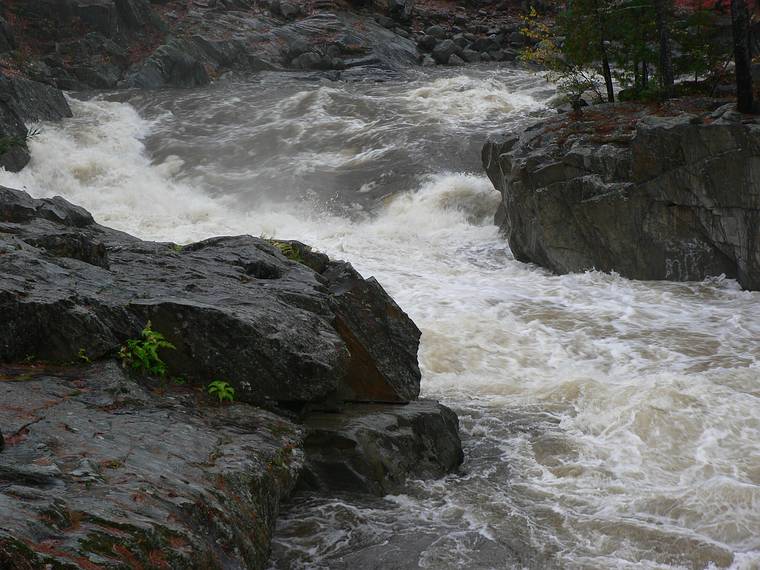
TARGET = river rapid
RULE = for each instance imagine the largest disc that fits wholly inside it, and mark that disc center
(607, 423)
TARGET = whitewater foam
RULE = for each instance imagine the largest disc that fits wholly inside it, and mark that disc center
(608, 423)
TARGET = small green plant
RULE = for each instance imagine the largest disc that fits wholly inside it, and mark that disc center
(177, 248)
(11, 142)
(222, 390)
(288, 250)
(82, 355)
(142, 353)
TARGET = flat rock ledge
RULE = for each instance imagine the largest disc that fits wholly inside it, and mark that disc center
(101, 467)
(673, 196)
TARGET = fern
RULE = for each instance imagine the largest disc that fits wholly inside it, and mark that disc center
(222, 390)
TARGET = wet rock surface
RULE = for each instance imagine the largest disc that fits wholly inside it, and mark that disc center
(651, 196)
(368, 447)
(22, 102)
(99, 471)
(82, 44)
(100, 464)
(234, 307)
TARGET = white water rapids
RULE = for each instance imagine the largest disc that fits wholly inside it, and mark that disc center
(607, 423)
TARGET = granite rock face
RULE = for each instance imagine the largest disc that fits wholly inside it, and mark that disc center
(101, 464)
(671, 197)
(375, 448)
(21, 102)
(234, 307)
(100, 471)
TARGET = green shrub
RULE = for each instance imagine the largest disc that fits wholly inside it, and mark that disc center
(222, 390)
(288, 250)
(142, 353)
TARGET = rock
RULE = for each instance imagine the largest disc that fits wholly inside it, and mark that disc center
(175, 64)
(386, 22)
(484, 45)
(658, 202)
(454, 59)
(15, 158)
(138, 43)
(516, 39)
(426, 43)
(370, 448)
(32, 101)
(436, 32)
(109, 465)
(470, 56)
(380, 337)
(108, 471)
(427, 61)
(286, 8)
(400, 9)
(299, 335)
(7, 39)
(497, 55)
(460, 40)
(22, 100)
(443, 51)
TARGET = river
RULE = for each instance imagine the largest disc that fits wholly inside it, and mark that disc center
(607, 423)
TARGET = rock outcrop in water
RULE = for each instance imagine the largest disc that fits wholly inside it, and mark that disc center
(23, 101)
(674, 195)
(102, 466)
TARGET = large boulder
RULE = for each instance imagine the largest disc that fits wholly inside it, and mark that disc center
(102, 464)
(99, 471)
(372, 448)
(650, 197)
(24, 101)
(236, 308)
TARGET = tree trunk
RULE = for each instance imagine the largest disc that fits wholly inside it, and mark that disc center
(742, 55)
(662, 14)
(607, 75)
(636, 75)
(606, 72)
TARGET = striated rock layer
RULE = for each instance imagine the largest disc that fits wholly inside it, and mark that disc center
(101, 466)
(618, 189)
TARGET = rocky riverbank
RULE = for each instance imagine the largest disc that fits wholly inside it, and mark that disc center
(80, 45)
(651, 192)
(102, 464)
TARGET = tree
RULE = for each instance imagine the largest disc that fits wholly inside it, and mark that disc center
(742, 55)
(662, 11)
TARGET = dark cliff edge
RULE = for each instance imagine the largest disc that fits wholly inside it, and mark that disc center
(668, 194)
(101, 466)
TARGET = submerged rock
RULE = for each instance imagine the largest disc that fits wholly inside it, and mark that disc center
(650, 197)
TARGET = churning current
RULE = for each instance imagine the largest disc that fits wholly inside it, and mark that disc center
(607, 423)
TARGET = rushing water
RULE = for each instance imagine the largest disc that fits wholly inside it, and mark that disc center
(607, 423)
